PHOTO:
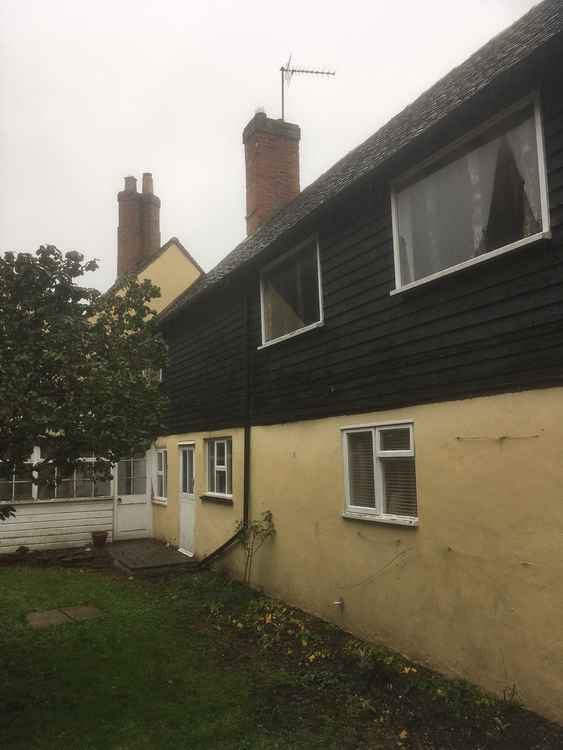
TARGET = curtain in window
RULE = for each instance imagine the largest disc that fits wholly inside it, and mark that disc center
(484, 199)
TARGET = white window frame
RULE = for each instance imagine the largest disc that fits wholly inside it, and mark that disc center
(131, 460)
(85, 459)
(34, 458)
(58, 494)
(376, 513)
(317, 324)
(188, 447)
(212, 443)
(161, 499)
(397, 185)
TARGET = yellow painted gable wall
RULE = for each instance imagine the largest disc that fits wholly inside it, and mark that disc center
(173, 272)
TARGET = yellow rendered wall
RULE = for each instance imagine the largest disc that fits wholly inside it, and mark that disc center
(173, 272)
(217, 522)
(477, 590)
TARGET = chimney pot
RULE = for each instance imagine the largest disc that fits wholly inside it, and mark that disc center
(147, 183)
(130, 184)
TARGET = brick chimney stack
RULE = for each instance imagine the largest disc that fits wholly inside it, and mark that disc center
(271, 149)
(138, 233)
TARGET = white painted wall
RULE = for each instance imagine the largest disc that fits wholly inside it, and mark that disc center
(55, 524)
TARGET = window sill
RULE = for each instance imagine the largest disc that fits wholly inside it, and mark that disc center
(472, 262)
(386, 520)
(219, 499)
(159, 501)
(292, 335)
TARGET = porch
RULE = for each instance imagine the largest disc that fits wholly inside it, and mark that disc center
(64, 516)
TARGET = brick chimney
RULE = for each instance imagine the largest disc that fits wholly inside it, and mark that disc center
(138, 233)
(271, 150)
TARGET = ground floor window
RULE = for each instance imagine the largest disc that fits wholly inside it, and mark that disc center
(380, 477)
(219, 466)
(161, 474)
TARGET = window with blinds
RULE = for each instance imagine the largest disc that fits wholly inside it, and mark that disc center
(361, 469)
(219, 467)
(380, 472)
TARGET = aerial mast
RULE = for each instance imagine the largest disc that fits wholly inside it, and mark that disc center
(287, 73)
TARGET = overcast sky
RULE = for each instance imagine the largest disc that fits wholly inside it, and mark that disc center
(93, 91)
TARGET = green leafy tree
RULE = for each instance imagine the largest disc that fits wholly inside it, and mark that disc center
(78, 368)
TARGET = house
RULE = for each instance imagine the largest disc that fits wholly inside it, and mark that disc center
(380, 364)
(66, 516)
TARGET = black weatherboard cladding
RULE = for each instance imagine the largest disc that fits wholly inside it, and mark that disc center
(493, 328)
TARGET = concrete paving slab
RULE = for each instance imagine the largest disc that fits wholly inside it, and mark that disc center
(87, 612)
(46, 618)
(148, 555)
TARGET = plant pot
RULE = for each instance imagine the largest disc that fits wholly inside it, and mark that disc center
(99, 538)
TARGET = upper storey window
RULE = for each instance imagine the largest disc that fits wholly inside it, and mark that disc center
(483, 196)
(291, 293)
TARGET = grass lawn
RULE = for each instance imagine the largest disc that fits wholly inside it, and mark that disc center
(201, 662)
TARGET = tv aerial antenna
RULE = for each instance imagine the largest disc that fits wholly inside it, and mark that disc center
(288, 71)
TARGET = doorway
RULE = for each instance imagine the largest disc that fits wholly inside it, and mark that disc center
(187, 498)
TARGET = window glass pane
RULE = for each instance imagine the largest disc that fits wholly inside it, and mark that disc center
(139, 485)
(139, 468)
(83, 481)
(165, 473)
(360, 469)
(399, 481)
(229, 467)
(23, 484)
(395, 440)
(159, 461)
(190, 471)
(184, 471)
(486, 197)
(221, 481)
(65, 488)
(211, 466)
(291, 293)
(102, 487)
(6, 489)
(47, 486)
(160, 485)
(220, 453)
(125, 477)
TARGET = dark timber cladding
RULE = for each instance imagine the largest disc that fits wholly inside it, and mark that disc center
(206, 375)
(493, 328)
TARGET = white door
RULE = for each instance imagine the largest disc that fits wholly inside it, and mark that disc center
(133, 510)
(187, 499)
